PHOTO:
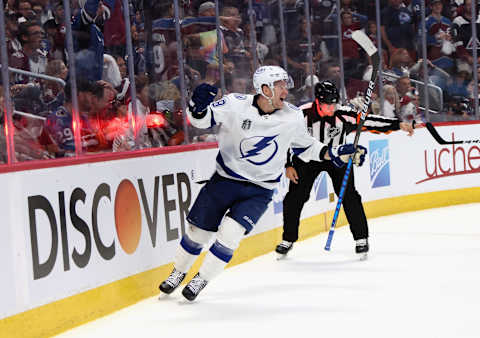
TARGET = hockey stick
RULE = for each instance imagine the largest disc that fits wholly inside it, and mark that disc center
(364, 42)
(440, 140)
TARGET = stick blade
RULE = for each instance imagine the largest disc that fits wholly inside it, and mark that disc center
(364, 41)
(437, 136)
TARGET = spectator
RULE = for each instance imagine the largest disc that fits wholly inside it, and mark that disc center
(462, 34)
(31, 57)
(400, 63)
(46, 12)
(52, 92)
(391, 103)
(59, 123)
(167, 100)
(403, 86)
(397, 27)
(139, 61)
(111, 71)
(206, 9)
(89, 41)
(101, 112)
(353, 56)
(298, 58)
(304, 94)
(114, 31)
(408, 100)
(11, 32)
(26, 135)
(123, 89)
(234, 39)
(55, 32)
(24, 8)
(261, 49)
(143, 109)
(331, 71)
(471, 86)
(239, 84)
(439, 40)
(436, 77)
(458, 84)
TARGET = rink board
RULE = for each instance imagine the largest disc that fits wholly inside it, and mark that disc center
(69, 256)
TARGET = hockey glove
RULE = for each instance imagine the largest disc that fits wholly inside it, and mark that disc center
(340, 154)
(202, 96)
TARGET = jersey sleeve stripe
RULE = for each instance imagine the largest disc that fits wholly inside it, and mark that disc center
(298, 151)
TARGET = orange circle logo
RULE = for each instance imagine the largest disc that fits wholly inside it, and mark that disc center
(128, 219)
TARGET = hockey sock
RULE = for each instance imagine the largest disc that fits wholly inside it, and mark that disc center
(190, 247)
(221, 252)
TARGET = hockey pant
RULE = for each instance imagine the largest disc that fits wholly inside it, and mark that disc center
(298, 194)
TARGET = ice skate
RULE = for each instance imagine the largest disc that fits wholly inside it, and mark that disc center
(361, 248)
(193, 288)
(283, 248)
(172, 282)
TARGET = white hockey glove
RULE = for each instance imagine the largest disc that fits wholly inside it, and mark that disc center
(340, 154)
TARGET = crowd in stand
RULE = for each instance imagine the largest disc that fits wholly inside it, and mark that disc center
(36, 42)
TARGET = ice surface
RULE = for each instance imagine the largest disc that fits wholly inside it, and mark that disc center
(422, 279)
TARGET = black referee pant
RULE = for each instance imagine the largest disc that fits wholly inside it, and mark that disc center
(298, 194)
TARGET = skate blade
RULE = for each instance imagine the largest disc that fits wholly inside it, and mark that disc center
(363, 256)
(281, 257)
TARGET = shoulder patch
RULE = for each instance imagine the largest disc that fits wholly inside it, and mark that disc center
(240, 96)
(219, 103)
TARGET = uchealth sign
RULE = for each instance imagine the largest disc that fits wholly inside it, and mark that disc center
(126, 202)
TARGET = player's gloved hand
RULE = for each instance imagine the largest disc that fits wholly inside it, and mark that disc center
(340, 154)
(202, 96)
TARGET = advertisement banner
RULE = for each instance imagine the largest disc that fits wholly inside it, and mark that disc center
(71, 229)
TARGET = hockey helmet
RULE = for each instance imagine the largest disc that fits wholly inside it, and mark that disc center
(268, 75)
(326, 92)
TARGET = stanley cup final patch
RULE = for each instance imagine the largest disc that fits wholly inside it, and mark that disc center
(246, 124)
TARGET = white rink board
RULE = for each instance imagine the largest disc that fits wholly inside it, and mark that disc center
(76, 264)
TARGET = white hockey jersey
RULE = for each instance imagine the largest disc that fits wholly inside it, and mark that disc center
(253, 147)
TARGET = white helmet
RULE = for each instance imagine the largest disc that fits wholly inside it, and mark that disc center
(268, 75)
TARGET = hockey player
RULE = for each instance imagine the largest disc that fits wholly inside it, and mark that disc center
(330, 123)
(255, 132)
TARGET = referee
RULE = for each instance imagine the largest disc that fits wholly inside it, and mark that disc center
(330, 123)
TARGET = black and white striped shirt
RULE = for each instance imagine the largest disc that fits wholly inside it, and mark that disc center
(333, 130)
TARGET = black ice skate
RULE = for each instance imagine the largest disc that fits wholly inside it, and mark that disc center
(361, 248)
(172, 282)
(193, 288)
(283, 248)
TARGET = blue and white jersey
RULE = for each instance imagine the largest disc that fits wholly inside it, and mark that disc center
(253, 147)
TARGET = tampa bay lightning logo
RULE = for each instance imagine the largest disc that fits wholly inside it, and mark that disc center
(258, 150)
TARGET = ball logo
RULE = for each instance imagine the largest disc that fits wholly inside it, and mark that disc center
(128, 219)
(379, 163)
(258, 150)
